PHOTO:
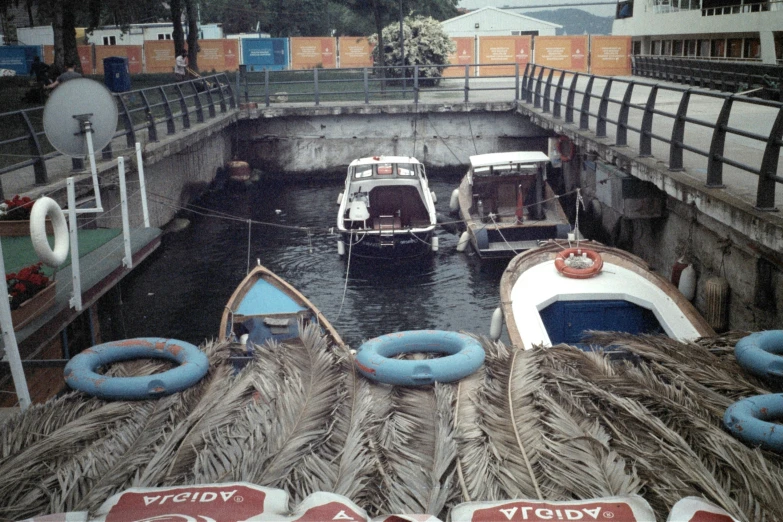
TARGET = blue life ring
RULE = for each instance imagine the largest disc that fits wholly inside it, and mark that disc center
(80, 371)
(465, 356)
(761, 353)
(747, 420)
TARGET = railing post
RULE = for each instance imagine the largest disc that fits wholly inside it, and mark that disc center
(220, 86)
(170, 127)
(39, 167)
(645, 136)
(765, 195)
(416, 84)
(183, 106)
(467, 83)
(315, 85)
(130, 132)
(365, 73)
(232, 97)
(210, 100)
(556, 106)
(523, 91)
(569, 118)
(678, 133)
(537, 98)
(530, 79)
(584, 114)
(516, 82)
(621, 138)
(548, 89)
(152, 130)
(197, 100)
(266, 87)
(715, 159)
(603, 107)
(247, 86)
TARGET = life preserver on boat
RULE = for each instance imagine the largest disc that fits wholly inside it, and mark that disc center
(464, 356)
(42, 208)
(750, 420)
(564, 141)
(761, 354)
(80, 371)
(579, 273)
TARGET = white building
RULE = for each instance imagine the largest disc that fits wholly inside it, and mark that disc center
(140, 33)
(491, 21)
(39, 35)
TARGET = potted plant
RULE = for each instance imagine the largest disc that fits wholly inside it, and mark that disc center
(30, 292)
(15, 216)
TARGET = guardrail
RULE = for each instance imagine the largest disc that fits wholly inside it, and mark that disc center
(555, 91)
(173, 105)
(372, 83)
(720, 75)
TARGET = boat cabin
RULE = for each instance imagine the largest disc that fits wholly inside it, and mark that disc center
(509, 185)
(386, 195)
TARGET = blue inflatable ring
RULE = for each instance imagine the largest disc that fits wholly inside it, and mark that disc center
(747, 420)
(760, 354)
(80, 371)
(465, 356)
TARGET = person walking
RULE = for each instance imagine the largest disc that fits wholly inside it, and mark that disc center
(69, 74)
(180, 65)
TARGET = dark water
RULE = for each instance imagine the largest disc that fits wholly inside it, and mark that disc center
(181, 291)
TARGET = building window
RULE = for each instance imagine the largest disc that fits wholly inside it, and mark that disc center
(718, 49)
(752, 48)
(690, 47)
(162, 36)
(667, 48)
(637, 48)
(109, 40)
(677, 48)
(704, 47)
(655, 49)
(734, 48)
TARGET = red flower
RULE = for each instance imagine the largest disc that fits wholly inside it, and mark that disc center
(25, 284)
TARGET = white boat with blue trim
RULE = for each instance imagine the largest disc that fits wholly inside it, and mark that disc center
(386, 209)
(554, 294)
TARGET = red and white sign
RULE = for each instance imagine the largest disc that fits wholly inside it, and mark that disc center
(610, 509)
(695, 509)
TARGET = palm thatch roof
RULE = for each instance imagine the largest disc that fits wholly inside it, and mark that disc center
(554, 424)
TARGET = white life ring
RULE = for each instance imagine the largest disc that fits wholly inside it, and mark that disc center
(42, 208)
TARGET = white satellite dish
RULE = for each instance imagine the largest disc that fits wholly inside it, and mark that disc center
(74, 107)
(80, 117)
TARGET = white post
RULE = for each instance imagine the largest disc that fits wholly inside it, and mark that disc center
(76, 298)
(127, 261)
(93, 169)
(12, 349)
(142, 187)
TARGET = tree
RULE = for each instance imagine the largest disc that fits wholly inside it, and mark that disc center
(425, 44)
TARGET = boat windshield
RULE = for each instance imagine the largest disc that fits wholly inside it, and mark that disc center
(500, 170)
(384, 170)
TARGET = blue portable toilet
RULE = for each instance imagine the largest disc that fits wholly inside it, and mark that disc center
(116, 74)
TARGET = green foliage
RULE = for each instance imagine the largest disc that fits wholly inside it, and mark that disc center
(425, 44)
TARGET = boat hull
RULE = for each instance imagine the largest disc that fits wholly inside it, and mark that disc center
(541, 306)
(399, 246)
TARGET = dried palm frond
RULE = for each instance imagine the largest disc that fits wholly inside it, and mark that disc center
(469, 438)
(442, 486)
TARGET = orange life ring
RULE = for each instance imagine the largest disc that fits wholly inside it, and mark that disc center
(569, 155)
(579, 273)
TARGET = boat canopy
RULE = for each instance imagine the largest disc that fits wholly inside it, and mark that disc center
(498, 159)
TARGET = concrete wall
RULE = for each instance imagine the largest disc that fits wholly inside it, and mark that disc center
(314, 140)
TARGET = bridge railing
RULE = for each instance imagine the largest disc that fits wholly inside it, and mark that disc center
(371, 84)
(573, 97)
(728, 76)
(23, 142)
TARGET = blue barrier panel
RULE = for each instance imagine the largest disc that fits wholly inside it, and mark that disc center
(265, 53)
(18, 58)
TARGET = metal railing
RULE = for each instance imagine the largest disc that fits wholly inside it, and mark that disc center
(369, 84)
(144, 110)
(555, 91)
(720, 75)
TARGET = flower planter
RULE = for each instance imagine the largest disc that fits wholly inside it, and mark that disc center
(21, 228)
(34, 306)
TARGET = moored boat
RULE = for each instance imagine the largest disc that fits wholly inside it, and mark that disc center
(386, 209)
(265, 307)
(554, 294)
(507, 204)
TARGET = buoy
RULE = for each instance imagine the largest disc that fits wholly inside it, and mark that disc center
(434, 196)
(496, 326)
(687, 284)
(454, 201)
(340, 247)
(677, 269)
(239, 170)
(243, 339)
(566, 265)
(42, 208)
(340, 198)
(761, 354)
(756, 420)
(435, 243)
(716, 295)
(463, 242)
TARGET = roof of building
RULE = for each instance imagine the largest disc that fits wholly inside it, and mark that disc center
(500, 12)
